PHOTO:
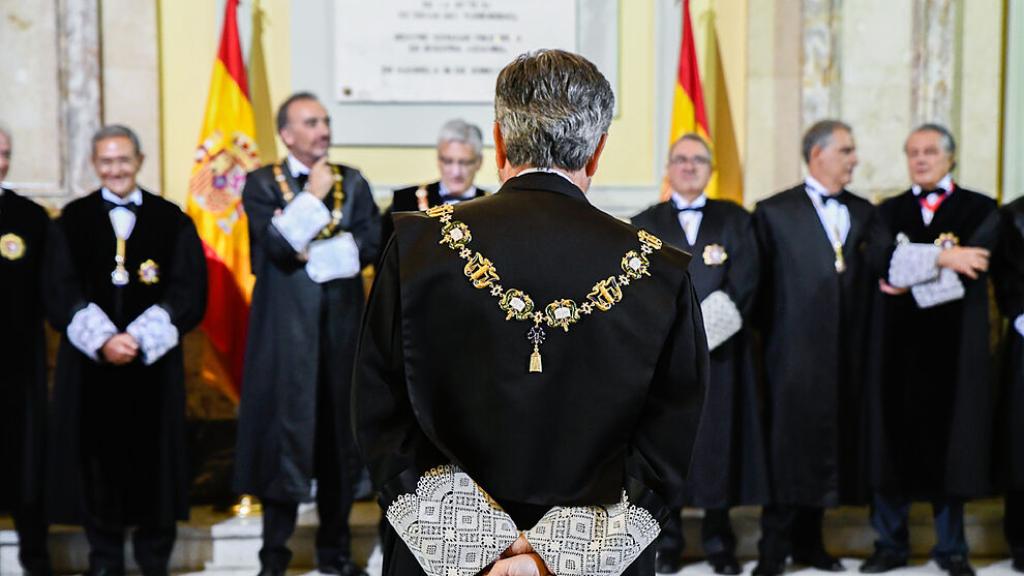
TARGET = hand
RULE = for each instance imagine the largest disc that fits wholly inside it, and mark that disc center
(520, 546)
(321, 178)
(891, 290)
(964, 260)
(520, 565)
(120, 349)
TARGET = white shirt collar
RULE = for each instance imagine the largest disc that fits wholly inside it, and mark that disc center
(297, 168)
(548, 170)
(817, 187)
(946, 184)
(446, 195)
(134, 197)
(698, 202)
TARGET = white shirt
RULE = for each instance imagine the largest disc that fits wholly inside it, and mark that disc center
(834, 215)
(690, 220)
(122, 219)
(297, 168)
(547, 170)
(945, 184)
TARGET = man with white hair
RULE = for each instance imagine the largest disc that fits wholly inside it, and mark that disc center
(23, 229)
(459, 148)
(930, 378)
(529, 363)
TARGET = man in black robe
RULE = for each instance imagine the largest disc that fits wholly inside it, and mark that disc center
(930, 380)
(126, 279)
(1008, 274)
(312, 227)
(729, 466)
(459, 148)
(23, 230)
(812, 301)
(527, 361)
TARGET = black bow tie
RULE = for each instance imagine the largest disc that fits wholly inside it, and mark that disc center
(689, 208)
(301, 179)
(130, 206)
(939, 191)
(835, 198)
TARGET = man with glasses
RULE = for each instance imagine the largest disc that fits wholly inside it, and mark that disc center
(459, 147)
(728, 466)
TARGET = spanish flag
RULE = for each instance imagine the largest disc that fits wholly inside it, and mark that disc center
(689, 113)
(226, 152)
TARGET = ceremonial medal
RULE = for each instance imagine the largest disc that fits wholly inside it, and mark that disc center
(947, 240)
(715, 255)
(518, 305)
(840, 264)
(119, 277)
(12, 247)
(149, 272)
(421, 198)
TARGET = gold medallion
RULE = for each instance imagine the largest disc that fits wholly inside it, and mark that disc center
(947, 240)
(715, 255)
(517, 304)
(12, 247)
(149, 272)
(562, 314)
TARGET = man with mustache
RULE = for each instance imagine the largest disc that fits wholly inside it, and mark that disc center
(313, 226)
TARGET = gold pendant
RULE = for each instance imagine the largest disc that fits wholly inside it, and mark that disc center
(12, 246)
(535, 363)
(149, 272)
(119, 277)
(840, 259)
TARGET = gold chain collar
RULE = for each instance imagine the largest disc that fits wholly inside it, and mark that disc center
(518, 305)
(338, 195)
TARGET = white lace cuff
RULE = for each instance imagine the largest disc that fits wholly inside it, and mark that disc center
(722, 318)
(1018, 324)
(450, 524)
(90, 329)
(154, 332)
(913, 264)
(593, 540)
(333, 258)
(301, 220)
(946, 288)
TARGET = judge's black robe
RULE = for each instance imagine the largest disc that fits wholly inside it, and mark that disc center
(23, 397)
(1008, 277)
(812, 320)
(729, 464)
(405, 200)
(297, 328)
(118, 432)
(930, 380)
(442, 377)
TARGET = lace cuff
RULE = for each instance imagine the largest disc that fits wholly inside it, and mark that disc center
(593, 540)
(913, 264)
(451, 526)
(154, 332)
(89, 329)
(722, 318)
(333, 258)
(946, 288)
(1018, 324)
(302, 220)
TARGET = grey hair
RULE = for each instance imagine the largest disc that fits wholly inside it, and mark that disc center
(282, 110)
(117, 131)
(458, 130)
(552, 107)
(945, 136)
(820, 135)
(693, 137)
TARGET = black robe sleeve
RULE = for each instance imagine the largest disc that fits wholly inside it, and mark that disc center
(741, 281)
(365, 223)
(185, 299)
(1008, 266)
(395, 449)
(265, 241)
(62, 287)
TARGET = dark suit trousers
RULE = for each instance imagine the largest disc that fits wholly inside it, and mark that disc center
(152, 545)
(716, 533)
(1013, 523)
(889, 519)
(790, 530)
(32, 533)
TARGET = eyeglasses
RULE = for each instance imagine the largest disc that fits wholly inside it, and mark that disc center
(448, 162)
(695, 160)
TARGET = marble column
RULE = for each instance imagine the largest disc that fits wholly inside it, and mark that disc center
(79, 51)
(821, 60)
(934, 64)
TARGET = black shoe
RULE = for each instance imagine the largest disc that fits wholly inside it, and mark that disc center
(769, 568)
(268, 571)
(725, 563)
(821, 561)
(344, 567)
(882, 561)
(1018, 564)
(668, 561)
(105, 572)
(956, 566)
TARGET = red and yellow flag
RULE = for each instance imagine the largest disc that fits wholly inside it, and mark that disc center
(689, 113)
(226, 152)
